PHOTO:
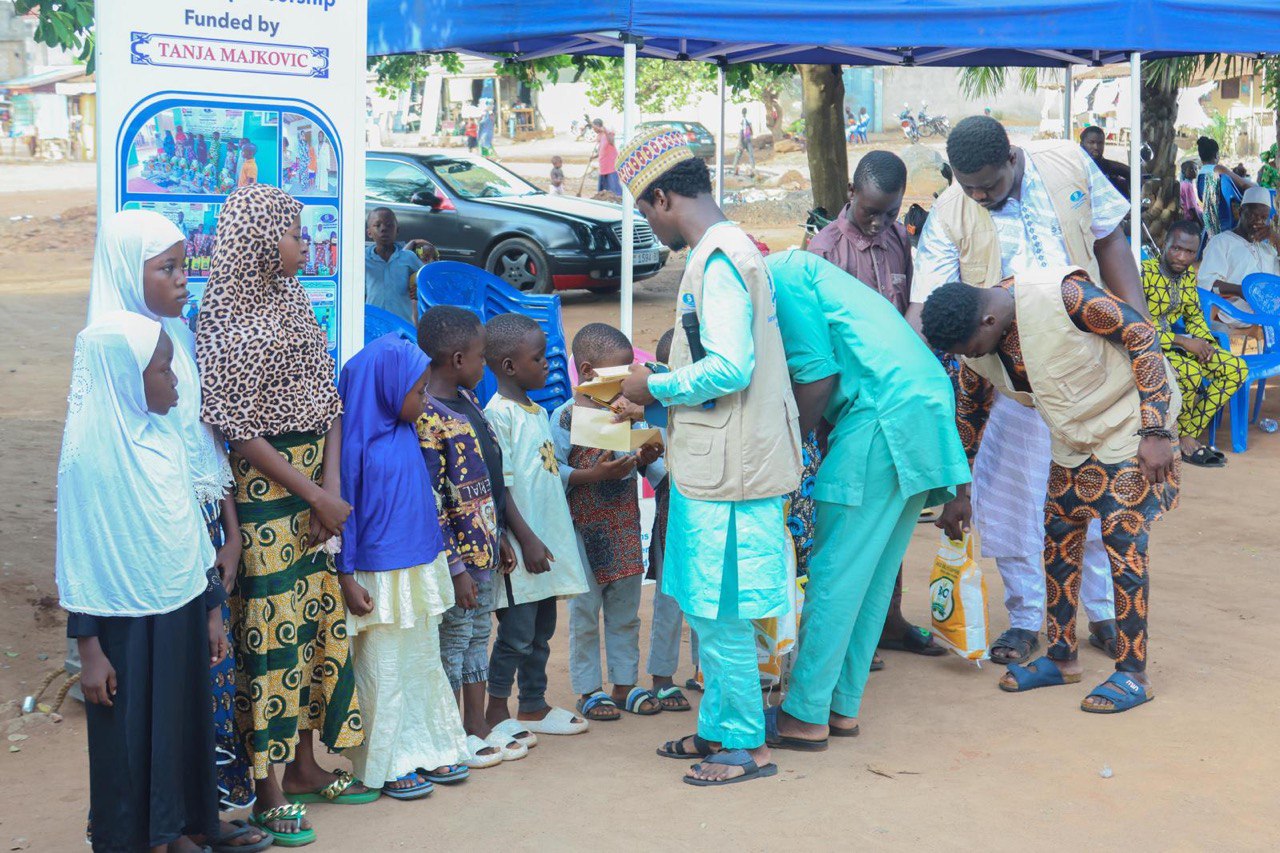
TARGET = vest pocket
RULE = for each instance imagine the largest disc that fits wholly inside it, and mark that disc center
(703, 461)
(1077, 373)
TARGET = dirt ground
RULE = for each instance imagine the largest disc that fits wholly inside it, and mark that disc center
(945, 759)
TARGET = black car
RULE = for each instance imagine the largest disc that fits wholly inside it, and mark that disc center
(699, 138)
(477, 212)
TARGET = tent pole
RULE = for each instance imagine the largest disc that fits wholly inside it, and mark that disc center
(1067, 94)
(1135, 156)
(720, 140)
(628, 203)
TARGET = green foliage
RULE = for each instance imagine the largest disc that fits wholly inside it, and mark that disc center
(399, 73)
(1218, 129)
(978, 82)
(66, 24)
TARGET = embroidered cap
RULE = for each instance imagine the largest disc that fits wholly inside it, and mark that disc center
(649, 156)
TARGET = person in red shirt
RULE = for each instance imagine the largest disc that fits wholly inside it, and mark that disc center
(607, 153)
(867, 241)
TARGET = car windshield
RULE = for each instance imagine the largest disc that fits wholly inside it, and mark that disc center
(481, 179)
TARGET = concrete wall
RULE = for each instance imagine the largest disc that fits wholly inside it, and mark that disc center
(941, 88)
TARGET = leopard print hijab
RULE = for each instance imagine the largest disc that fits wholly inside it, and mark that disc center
(264, 364)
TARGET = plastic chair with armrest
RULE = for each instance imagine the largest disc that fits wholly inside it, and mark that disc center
(1261, 367)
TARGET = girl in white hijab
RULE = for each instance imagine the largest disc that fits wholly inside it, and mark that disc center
(132, 569)
(139, 266)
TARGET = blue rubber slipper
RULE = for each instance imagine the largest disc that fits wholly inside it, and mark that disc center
(781, 741)
(733, 758)
(414, 792)
(456, 773)
(637, 697)
(599, 699)
(1122, 691)
(1041, 672)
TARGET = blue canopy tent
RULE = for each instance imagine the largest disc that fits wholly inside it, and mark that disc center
(1042, 33)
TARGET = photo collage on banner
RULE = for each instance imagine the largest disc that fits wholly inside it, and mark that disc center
(183, 159)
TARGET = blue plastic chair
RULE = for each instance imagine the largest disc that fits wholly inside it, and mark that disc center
(1261, 367)
(380, 321)
(486, 295)
(1227, 193)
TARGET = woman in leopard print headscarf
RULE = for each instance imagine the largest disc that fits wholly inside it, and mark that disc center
(267, 382)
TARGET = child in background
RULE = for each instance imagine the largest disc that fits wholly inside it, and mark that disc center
(1188, 196)
(557, 176)
(664, 631)
(605, 506)
(134, 573)
(472, 133)
(461, 451)
(248, 164)
(516, 350)
(395, 578)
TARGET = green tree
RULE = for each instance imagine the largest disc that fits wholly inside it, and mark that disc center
(65, 24)
(1161, 81)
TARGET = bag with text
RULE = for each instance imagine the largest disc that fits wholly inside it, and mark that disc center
(958, 600)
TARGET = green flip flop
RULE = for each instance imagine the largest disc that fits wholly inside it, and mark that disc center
(295, 812)
(336, 792)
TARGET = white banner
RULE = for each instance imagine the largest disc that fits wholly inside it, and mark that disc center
(198, 98)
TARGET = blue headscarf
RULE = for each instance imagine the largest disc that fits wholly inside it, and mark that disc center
(393, 522)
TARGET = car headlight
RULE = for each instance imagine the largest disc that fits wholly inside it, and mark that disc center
(586, 237)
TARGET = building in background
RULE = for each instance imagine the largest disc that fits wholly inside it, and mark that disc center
(48, 105)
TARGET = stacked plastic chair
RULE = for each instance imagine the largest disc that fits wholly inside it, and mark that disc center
(454, 283)
(380, 321)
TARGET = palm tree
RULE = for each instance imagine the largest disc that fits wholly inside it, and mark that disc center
(1161, 81)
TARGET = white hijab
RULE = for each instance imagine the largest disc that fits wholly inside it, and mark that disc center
(131, 540)
(126, 241)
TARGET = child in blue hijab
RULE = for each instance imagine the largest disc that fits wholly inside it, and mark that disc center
(395, 577)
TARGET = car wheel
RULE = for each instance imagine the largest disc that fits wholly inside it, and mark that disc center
(521, 264)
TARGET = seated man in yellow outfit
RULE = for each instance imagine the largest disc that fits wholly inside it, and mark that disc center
(1169, 284)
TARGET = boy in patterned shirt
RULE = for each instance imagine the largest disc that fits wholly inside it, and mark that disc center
(461, 451)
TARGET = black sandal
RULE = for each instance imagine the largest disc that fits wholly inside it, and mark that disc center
(675, 748)
(1104, 637)
(1018, 640)
(918, 641)
(1205, 458)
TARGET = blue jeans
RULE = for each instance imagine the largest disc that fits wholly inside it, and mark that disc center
(464, 639)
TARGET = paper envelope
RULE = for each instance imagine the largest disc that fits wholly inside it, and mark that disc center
(606, 386)
(595, 428)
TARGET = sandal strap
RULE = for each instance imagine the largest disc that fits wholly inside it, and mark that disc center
(638, 696)
(293, 811)
(597, 699)
(338, 786)
(670, 692)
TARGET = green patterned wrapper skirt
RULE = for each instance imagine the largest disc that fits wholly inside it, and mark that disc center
(293, 658)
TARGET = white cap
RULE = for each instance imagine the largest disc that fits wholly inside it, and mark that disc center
(1257, 195)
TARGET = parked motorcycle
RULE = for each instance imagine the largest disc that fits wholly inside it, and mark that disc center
(908, 122)
(932, 125)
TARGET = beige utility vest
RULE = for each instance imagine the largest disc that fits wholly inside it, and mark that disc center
(748, 445)
(969, 227)
(1082, 384)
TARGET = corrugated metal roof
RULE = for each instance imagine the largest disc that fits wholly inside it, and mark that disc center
(44, 78)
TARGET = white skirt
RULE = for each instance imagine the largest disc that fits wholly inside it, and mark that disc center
(1010, 478)
(411, 718)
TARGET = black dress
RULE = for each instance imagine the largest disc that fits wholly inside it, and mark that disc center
(151, 754)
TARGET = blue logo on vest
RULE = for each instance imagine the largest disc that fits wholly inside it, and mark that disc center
(689, 303)
(1077, 198)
